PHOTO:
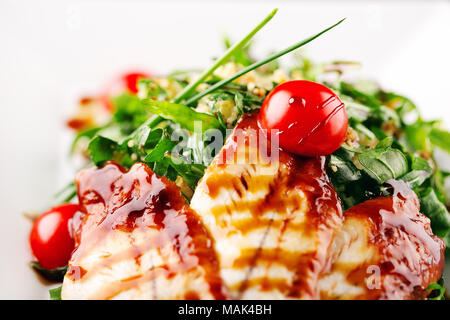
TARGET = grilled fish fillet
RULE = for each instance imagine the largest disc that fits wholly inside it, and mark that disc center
(136, 239)
(384, 250)
(272, 218)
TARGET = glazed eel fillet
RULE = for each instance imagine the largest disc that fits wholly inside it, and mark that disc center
(259, 226)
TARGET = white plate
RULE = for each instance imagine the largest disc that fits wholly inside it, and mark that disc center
(53, 51)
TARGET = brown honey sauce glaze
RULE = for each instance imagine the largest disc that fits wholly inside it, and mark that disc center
(409, 258)
(296, 178)
(114, 200)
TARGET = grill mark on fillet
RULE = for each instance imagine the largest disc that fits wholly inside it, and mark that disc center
(255, 258)
(244, 183)
(285, 223)
(261, 244)
(266, 284)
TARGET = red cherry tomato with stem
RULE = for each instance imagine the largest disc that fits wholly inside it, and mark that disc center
(311, 118)
(50, 238)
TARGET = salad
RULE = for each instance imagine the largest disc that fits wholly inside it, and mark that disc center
(249, 180)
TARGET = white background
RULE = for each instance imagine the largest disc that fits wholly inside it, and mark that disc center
(53, 51)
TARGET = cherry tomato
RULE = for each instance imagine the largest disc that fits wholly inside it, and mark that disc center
(311, 118)
(125, 83)
(50, 238)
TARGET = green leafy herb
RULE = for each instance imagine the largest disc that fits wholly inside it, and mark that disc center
(440, 138)
(355, 111)
(437, 212)
(420, 172)
(359, 96)
(417, 136)
(191, 173)
(129, 113)
(181, 114)
(352, 184)
(415, 178)
(346, 169)
(102, 149)
(87, 134)
(384, 163)
(148, 88)
(159, 151)
(55, 293)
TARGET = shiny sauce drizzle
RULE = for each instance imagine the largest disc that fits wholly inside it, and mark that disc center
(411, 256)
(114, 200)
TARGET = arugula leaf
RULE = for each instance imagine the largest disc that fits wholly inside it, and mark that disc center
(129, 113)
(158, 153)
(385, 143)
(160, 167)
(245, 101)
(345, 170)
(182, 115)
(420, 172)
(148, 88)
(415, 178)
(437, 182)
(191, 173)
(102, 149)
(401, 103)
(173, 158)
(352, 184)
(89, 133)
(55, 293)
(383, 164)
(143, 138)
(440, 138)
(437, 212)
(355, 111)
(359, 96)
(417, 136)
(419, 163)
(383, 114)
